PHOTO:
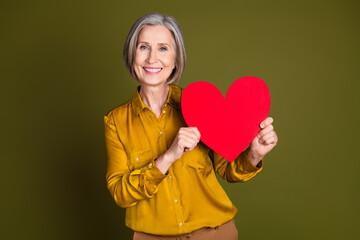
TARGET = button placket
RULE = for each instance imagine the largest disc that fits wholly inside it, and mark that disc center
(175, 200)
(171, 180)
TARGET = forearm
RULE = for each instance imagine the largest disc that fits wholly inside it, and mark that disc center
(130, 188)
(240, 170)
(253, 157)
(164, 162)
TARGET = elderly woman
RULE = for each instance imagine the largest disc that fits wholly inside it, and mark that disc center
(157, 168)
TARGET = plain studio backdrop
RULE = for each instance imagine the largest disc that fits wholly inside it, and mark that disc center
(61, 71)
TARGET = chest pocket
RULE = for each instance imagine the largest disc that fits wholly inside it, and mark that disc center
(139, 159)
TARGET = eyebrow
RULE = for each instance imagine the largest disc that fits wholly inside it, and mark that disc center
(157, 44)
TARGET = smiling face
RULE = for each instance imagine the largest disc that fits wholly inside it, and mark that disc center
(155, 55)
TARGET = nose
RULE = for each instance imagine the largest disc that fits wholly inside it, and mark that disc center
(152, 57)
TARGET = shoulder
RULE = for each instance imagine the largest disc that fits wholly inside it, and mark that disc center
(176, 89)
(120, 108)
(116, 116)
(175, 95)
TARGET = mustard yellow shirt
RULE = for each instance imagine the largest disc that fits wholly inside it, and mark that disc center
(188, 197)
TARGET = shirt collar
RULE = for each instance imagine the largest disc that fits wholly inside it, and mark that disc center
(173, 99)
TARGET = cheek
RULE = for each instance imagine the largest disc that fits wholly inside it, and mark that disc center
(170, 62)
(137, 65)
(137, 62)
(139, 59)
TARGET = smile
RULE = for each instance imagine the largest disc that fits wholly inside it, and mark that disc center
(152, 70)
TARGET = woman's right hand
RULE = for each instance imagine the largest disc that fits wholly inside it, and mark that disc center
(186, 139)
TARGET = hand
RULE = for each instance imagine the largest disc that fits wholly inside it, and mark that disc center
(263, 142)
(186, 139)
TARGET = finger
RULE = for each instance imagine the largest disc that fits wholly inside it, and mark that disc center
(194, 132)
(269, 138)
(184, 145)
(190, 140)
(266, 122)
(197, 132)
(189, 133)
(187, 142)
(191, 130)
(265, 131)
(188, 149)
(266, 136)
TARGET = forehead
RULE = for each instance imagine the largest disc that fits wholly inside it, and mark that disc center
(155, 34)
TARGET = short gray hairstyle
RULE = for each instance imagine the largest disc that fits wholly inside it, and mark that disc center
(154, 19)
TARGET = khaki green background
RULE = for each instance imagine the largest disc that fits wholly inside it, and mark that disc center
(61, 70)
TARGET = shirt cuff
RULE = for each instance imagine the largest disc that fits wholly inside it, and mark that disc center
(153, 173)
(250, 167)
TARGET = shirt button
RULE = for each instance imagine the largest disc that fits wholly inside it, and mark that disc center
(170, 177)
(150, 164)
(175, 200)
(181, 224)
(164, 111)
(165, 105)
(137, 159)
(160, 132)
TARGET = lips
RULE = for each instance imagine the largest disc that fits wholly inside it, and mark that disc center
(152, 70)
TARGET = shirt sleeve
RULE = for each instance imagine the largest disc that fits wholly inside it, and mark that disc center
(127, 188)
(239, 170)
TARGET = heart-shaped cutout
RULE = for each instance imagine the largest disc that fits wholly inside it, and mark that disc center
(227, 125)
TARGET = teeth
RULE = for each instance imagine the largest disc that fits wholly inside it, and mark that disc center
(153, 69)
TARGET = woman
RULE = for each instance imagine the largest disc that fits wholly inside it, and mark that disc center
(157, 168)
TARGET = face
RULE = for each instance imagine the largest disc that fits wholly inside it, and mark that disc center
(155, 55)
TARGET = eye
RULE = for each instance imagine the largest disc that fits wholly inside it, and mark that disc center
(143, 47)
(163, 49)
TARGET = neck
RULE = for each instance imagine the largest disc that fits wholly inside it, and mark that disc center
(154, 97)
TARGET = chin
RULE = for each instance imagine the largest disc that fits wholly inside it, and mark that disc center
(152, 83)
(153, 80)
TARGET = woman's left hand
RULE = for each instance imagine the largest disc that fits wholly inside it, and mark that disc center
(263, 142)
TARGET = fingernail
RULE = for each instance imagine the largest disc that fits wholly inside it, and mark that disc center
(262, 125)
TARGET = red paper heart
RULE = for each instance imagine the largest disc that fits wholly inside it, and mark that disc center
(227, 125)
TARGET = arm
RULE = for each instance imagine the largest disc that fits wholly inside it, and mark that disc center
(127, 188)
(240, 170)
(249, 163)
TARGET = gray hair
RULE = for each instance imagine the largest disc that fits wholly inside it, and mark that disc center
(154, 19)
